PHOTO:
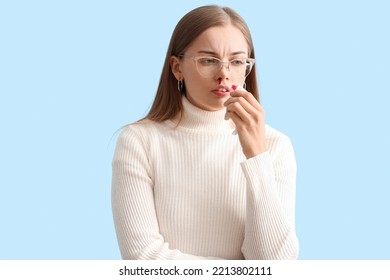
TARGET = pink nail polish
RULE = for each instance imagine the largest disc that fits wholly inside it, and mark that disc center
(234, 87)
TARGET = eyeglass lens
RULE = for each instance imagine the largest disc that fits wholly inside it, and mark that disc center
(208, 66)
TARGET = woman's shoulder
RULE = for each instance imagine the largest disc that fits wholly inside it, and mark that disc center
(137, 131)
(277, 141)
(140, 127)
(273, 134)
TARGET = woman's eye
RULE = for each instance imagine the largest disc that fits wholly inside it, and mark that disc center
(208, 61)
(237, 62)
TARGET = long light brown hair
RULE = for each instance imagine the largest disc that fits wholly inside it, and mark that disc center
(168, 101)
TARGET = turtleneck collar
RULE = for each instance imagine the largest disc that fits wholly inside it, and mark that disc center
(200, 120)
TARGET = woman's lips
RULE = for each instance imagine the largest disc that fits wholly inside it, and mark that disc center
(221, 91)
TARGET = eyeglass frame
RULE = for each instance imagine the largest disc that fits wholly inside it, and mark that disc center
(196, 58)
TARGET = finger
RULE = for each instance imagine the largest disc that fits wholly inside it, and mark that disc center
(235, 118)
(239, 110)
(248, 96)
(243, 102)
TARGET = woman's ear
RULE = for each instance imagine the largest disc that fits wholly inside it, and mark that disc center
(175, 67)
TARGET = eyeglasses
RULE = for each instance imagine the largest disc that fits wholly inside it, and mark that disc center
(210, 66)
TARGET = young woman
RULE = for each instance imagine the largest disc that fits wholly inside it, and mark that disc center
(202, 176)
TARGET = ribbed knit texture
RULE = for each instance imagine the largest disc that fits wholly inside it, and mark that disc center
(186, 191)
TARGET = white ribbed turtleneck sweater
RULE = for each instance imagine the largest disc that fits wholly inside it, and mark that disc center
(187, 191)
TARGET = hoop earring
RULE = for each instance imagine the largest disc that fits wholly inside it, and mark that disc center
(180, 85)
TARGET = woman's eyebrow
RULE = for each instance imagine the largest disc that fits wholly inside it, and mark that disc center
(215, 54)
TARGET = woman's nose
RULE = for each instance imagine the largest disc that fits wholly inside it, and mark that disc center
(224, 71)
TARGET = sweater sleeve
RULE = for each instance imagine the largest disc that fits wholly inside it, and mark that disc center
(133, 207)
(270, 223)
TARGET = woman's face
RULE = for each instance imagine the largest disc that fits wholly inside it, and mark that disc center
(206, 92)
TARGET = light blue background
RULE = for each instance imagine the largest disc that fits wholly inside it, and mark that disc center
(73, 72)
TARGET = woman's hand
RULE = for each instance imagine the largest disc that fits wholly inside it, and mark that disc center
(249, 117)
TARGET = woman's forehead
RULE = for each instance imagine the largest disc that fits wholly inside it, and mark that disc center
(222, 40)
